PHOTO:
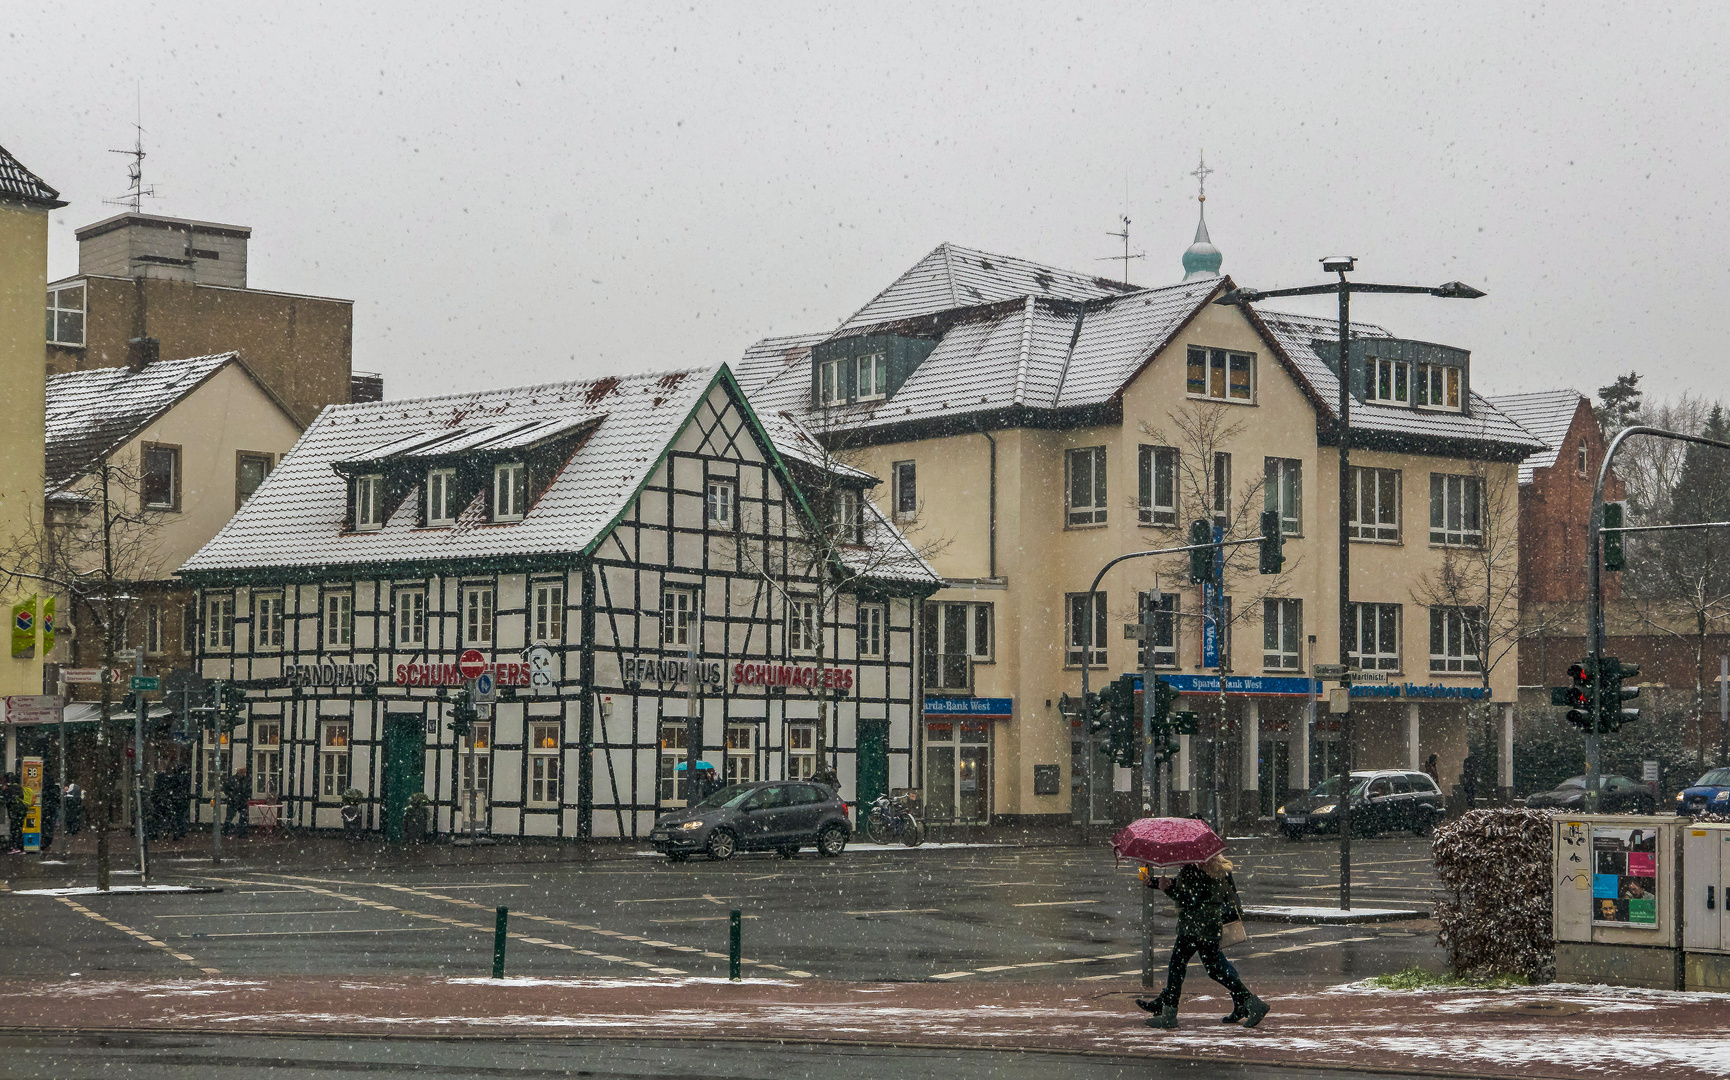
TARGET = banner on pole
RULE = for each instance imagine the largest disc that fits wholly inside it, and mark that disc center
(24, 627)
(47, 626)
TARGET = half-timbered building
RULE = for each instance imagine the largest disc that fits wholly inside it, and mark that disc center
(619, 554)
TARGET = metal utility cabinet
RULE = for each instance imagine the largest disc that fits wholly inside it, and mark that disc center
(1705, 921)
(1617, 913)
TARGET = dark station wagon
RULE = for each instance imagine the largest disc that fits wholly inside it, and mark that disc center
(1385, 801)
(781, 816)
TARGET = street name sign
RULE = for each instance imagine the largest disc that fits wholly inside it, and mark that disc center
(88, 675)
(146, 682)
(1328, 671)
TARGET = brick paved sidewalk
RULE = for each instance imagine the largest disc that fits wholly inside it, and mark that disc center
(1552, 1031)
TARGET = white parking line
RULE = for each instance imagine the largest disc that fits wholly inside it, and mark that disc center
(238, 914)
(1056, 903)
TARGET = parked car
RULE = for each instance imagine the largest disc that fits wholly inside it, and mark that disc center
(775, 816)
(1382, 801)
(1618, 794)
(1709, 793)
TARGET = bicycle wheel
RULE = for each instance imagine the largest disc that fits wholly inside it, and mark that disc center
(912, 832)
(877, 828)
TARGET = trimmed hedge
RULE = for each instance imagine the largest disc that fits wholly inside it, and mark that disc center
(1495, 871)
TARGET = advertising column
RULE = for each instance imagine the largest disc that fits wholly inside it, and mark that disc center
(30, 776)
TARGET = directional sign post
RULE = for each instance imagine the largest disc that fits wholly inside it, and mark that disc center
(146, 682)
(1328, 671)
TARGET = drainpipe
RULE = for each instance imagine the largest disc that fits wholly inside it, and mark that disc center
(991, 512)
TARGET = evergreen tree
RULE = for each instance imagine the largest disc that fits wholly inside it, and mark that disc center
(1618, 404)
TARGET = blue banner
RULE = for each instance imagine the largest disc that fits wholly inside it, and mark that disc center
(983, 708)
(1252, 685)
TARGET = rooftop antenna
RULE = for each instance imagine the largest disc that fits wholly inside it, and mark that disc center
(135, 168)
(1123, 234)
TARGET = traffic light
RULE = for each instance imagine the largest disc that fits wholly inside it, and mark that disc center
(1613, 559)
(1201, 552)
(1164, 697)
(462, 715)
(1611, 693)
(1272, 543)
(1579, 697)
(1184, 723)
(1117, 719)
(230, 703)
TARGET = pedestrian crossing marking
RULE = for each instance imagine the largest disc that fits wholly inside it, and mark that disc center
(140, 935)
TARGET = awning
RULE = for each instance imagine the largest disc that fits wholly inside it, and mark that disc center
(89, 712)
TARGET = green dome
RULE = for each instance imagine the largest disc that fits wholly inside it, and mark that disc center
(1201, 259)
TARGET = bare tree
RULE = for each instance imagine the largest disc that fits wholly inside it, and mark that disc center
(1650, 468)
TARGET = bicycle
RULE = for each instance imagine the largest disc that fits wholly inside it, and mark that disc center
(892, 818)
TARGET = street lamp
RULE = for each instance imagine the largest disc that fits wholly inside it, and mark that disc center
(1341, 265)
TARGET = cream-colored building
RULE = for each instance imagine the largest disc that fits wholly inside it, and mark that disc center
(24, 204)
(1033, 424)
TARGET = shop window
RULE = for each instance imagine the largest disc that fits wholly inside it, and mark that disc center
(543, 765)
(672, 777)
(957, 771)
(333, 759)
(477, 771)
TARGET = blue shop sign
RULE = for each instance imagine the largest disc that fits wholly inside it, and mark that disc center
(977, 708)
(1251, 685)
(1419, 691)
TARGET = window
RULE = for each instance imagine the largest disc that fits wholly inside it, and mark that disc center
(1456, 510)
(66, 315)
(831, 390)
(1376, 637)
(338, 622)
(801, 625)
(1282, 628)
(1157, 469)
(549, 613)
(719, 502)
(368, 503)
(543, 765)
(1221, 375)
(1222, 490)
(267, 621)
(189, 628)
(510, 491)
(1164, 633)
(219, 622)
(249, 472)
(741, 764)
(266, 759)
(411, 618)
(870, 630)
(1453, 639)
(1388, 382)
(1375, 504)
(1581, 466)
(678, 608)
(873, 372)
(478, 773)
(1436, 386)
(441, 497)
(906, 478)
(801, 751)
(153, 630)
(333, 759)
(1086, 469)
(672, 778)
(848, 516)
(478, 615)
(1283, 492)
(1086, 619)
(161, 486)
(962, 629)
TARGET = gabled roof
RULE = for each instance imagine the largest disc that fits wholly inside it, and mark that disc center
(1547, 414)
(952, 276)
(17, 182)
(91, 414)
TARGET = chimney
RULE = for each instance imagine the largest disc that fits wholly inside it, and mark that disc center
(141, 352)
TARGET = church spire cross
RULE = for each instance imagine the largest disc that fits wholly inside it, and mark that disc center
(1201, 173)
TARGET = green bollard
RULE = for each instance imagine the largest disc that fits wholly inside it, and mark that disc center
(733, 946)
(499, 938)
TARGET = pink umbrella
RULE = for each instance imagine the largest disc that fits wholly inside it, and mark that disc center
(1165, 841)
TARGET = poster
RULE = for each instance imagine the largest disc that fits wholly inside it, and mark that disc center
(24, 627)
(31, 778)
(1625, 877)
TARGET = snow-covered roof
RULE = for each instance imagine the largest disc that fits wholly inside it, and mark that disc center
(17, 182)
(90, 414)
(1548, 414)
(624, 424)
(952, 277)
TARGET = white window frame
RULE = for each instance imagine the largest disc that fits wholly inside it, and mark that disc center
(872, 377)
(411, 619)
(544, 762)
(1456, 510)
(1092, 512)
(720, 503)
(1074, 651)
(849, 516)
(1216, 367)
(1382, 530)
(678, 616)
(802, 626)
(1437, 386)
(153, 630)
(1282, 634)
(548, 627)
(1580, 467)
(481, 739)
(480, 607)
(510, 491)
(441, 497)
(1452, 651)
(1157, 465)
(266, 758)
(1166, 631)
(57, 309)
(1222, 489)
(333, 759)
(740, 766)
(368, 503)
(1283, 487)
(1388, 381)
(1383, 620)
(905, 476)
(267, 621)
(872, 619)
(172, 504)
(831, 387)
(338, 620)
(219, 623)
(801, 750)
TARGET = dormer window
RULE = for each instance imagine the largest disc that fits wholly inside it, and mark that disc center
(368, 503)
(441, 497)
(1426, 386)
(873, 373)
(868, 368)
(849, 523)
(510, 491)
(832, 390)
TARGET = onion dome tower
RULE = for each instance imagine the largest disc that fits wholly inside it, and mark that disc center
(1201, 259)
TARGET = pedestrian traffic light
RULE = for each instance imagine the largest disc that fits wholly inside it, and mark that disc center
(1580, 696)
(1201, 551)
(1164, 697)
(1613, 559)
(1611, 693)
(462, 715)
(1272, 543)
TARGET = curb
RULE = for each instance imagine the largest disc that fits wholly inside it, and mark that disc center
(1344, 918)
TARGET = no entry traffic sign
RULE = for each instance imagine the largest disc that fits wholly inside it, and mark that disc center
(471, 663)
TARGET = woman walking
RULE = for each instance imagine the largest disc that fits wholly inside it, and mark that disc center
(1204, 894)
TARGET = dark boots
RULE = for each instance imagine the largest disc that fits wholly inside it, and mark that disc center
(1164, 1018)
(1255, 1008)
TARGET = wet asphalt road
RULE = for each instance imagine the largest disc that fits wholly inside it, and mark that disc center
(976, 913)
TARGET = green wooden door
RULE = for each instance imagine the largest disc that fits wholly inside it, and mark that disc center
(404, 769)
(873, 761)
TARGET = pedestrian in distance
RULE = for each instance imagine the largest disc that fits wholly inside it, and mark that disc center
(1469, 780)
(50, 812)
(1206, 898)
(74, 809)
(12, 795)
(180, 795)
(1434, 768)
(235, 790)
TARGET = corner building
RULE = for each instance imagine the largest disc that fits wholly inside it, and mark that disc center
(618, 553)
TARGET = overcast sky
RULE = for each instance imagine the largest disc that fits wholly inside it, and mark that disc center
(514, 194)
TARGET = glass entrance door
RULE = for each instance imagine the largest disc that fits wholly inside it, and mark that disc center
(1274, 776)
(1329, 755)
(958, 772)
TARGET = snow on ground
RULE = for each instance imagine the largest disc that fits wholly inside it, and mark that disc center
(866, 845)
(613, 984)
(91, 890)
(1327, 912)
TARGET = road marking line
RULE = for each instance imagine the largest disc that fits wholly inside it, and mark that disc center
(1056, 903)
(897, 911)
(953, 975)
(996, 967)
(1097, 978)
(687, 919)
(312, 933)
(666, 900)
(146, 938)
(238, 914)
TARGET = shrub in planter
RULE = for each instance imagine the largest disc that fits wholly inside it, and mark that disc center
(416, 828)
(1495, 871)
(351, 800)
